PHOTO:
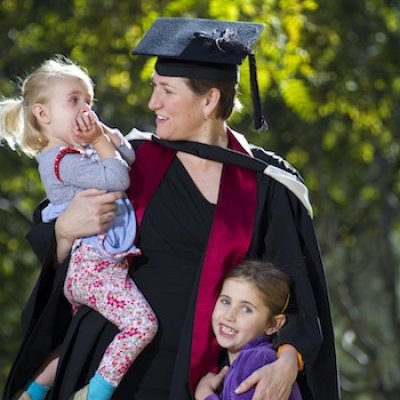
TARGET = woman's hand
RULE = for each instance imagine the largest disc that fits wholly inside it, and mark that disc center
(89, 213)
(274, 381)
(209, 384)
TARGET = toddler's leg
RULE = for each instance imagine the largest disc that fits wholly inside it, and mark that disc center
(77, 275)
(104, 285)
(38, 388)
(35, 392)
(125, 306)
(48, 374)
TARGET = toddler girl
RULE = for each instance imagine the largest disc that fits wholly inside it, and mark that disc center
(53, 121)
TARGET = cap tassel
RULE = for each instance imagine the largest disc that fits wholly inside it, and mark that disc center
(259, 122)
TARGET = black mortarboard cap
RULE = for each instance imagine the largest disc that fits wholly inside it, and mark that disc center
(204, 49)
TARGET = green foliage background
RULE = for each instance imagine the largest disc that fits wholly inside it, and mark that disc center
(330, 82)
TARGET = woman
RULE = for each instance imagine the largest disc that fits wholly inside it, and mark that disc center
(205, 200)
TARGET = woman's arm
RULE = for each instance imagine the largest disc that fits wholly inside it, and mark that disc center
(90, 212)
(274, 380)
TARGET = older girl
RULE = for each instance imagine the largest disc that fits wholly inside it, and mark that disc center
(249, 311)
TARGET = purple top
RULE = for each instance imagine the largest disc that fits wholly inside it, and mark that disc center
(253, 356)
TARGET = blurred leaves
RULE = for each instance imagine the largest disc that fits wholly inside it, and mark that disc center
(329, 77)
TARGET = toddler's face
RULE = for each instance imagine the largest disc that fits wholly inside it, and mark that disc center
(68, 97)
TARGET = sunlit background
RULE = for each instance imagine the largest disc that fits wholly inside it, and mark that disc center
(329, 73)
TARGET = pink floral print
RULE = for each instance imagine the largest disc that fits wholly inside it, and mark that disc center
(105, 286)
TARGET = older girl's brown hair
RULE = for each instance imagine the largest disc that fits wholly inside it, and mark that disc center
(272, 283)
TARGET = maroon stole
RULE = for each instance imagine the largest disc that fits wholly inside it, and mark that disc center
(229, 240)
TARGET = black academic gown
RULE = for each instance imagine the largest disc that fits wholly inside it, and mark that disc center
(282, 233)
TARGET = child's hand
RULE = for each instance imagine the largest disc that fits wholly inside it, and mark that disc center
(114, 134)
(209, 384)
(88, 128)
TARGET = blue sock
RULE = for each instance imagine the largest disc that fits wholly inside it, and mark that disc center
(99, 388)
(37, 391)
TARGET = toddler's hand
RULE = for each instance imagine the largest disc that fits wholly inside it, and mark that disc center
(88, 128)
(114, 134)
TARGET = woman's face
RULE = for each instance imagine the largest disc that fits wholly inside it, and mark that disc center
(178, 110)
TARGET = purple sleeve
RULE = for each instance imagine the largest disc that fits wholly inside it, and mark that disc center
(245, 365)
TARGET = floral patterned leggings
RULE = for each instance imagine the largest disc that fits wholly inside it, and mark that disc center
(104, 285)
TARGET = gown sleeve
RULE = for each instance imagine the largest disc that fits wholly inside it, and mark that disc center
(47, 313)
(42, 240)
(283, 246)
(285, 236)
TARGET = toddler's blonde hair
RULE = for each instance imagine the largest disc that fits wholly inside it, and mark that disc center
(18, 126)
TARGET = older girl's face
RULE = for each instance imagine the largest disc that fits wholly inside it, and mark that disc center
(240, 315)
(178, 110)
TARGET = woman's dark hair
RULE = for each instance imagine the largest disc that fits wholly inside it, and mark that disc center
(228, 102)
(272, 283)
